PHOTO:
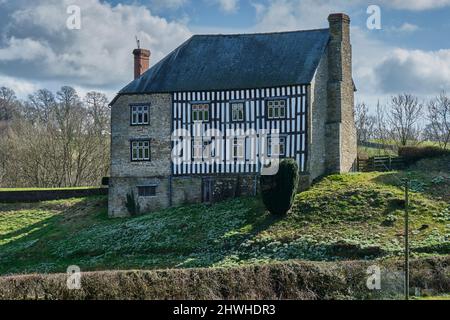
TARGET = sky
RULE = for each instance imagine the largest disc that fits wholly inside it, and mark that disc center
(409, 53)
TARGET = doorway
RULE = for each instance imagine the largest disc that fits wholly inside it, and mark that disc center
(207, 185)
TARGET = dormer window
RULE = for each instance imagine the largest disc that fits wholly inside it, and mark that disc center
(139, 115)
(200, 112)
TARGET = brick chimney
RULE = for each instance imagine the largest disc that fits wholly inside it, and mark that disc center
(341, 131)
(141, 61)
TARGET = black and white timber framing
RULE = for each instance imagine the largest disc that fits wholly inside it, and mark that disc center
(293, 127)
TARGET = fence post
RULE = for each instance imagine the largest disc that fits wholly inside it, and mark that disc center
(406, 240)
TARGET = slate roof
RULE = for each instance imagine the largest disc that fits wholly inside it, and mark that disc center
(244, 61)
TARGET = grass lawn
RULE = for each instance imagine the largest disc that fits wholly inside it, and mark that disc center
(352, 216)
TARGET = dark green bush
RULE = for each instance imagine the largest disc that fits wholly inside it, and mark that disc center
(414, 154)
(132, 205)
(278, 190)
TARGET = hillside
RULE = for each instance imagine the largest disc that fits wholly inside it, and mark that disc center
(353, 216)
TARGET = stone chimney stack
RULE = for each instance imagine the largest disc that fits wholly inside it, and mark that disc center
(341, 131)
(141, 61)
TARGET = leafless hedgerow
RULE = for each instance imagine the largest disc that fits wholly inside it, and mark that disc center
(438, 129)
(56, 141)
(365, 123)
(403, 117)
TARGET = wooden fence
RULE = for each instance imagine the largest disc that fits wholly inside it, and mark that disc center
(381, 163)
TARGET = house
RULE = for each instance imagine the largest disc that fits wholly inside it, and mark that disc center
(203, 123)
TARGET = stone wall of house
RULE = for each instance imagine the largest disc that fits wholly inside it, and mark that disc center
(127, 175)
(340, 129)
(317, 122)
(158, 131)
(119, 187)
(186, 190)
(233, 186)
(175, 191)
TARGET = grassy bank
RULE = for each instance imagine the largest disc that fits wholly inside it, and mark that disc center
(353, 216)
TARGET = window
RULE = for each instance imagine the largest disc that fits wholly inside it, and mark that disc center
(197, 149)
(203, 149)
(237, 111)
(200, 112)
(238, 148)
(276, 109)
(276, 149)
(139, 115)
(147, 191)
(140, 150)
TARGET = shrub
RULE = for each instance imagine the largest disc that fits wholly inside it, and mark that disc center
(132, 205)
(414, 154)
(278, 190)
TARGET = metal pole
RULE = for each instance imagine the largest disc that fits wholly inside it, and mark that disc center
(406, 240)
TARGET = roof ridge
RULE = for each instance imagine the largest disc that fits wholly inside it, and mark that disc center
(256, 33)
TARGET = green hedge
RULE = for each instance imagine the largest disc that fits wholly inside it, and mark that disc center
(289, 280)
(414, 154)
(278, 190)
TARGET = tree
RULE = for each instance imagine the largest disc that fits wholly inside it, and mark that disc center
(8, 104)
(61, 141)
(365, 123)
(278, 190)
(438, 128)
(403, 119)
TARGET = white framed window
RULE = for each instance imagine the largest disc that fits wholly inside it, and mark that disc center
(237, 111)
(203, 149)
(276, 148)
(139, 115)
(200, 112)
(197, 149)
(238, 148)
(276, 109)
(140, 150)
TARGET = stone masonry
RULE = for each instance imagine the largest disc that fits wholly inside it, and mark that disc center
(340, 127)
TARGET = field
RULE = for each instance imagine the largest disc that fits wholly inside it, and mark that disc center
(353, 216)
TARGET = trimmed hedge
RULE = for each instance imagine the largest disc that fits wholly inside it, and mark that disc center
(278, 190)
(414, 154)
(289, 280)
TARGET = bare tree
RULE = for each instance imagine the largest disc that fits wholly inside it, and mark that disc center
(365, 123)
(403, 119)
(61, 141)
(438, 128)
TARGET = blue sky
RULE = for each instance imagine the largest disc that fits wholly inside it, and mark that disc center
(411, 52)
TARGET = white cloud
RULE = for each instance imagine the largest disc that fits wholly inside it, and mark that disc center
(407, 27)
(169, 4)
(228, 5)
(414, 71)
(280, 15)
(37, 45)
(21, 87)
(416, 5)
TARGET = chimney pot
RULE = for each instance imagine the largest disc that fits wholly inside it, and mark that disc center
(141, 61)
